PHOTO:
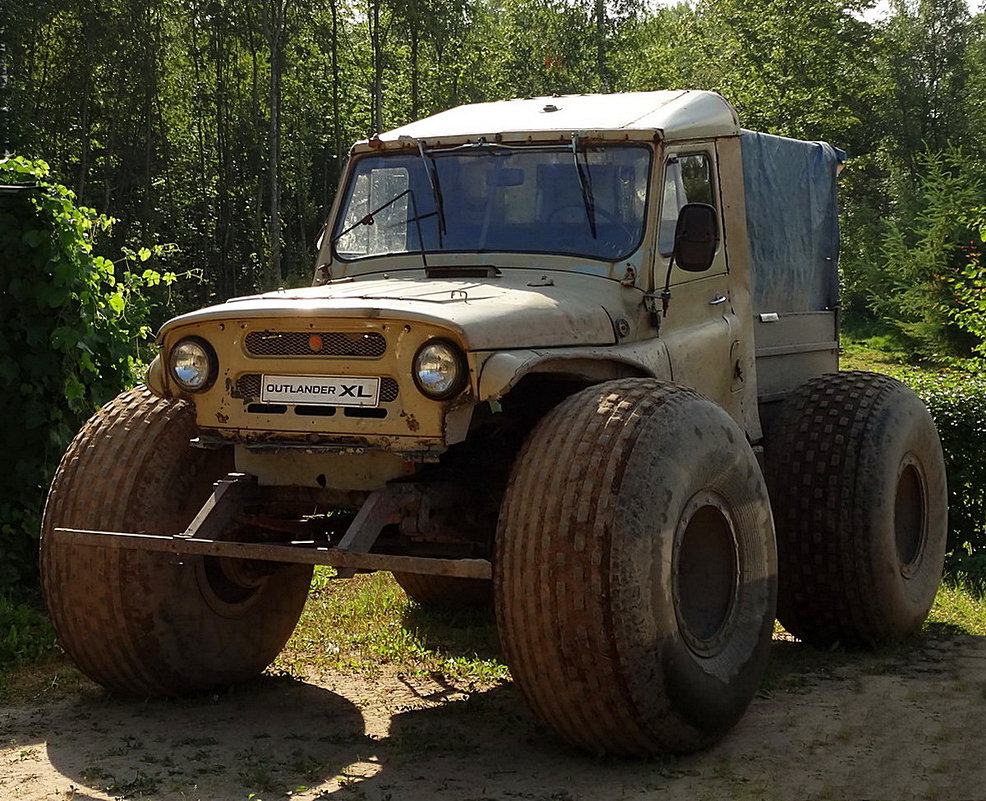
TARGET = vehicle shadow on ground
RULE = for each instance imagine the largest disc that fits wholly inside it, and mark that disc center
(902, 724)
(895, 724)
(268, 737)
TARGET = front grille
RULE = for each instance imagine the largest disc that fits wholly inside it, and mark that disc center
(388, 390)
(315, 343)
(248, 386)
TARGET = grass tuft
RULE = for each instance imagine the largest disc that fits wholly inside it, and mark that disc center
(959, 608)
(878, 354)
(367, 623)
(25, 635)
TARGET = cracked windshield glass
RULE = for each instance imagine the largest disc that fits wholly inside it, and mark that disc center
(584, 201)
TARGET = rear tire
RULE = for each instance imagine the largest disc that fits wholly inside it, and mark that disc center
(857, 481)
(446, 592)
(635, 578)
(145, 623)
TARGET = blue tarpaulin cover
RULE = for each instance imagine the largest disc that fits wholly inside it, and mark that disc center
(792, 222)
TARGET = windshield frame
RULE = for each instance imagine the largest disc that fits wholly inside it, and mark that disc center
(583, 147)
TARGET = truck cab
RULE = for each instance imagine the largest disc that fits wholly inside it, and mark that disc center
(526, 238)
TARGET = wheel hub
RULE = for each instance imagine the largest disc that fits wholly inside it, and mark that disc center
(910, 516)
(706, 574)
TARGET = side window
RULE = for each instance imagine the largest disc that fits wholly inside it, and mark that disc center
(687, 179)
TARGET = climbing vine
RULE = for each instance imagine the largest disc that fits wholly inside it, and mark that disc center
(74, 326)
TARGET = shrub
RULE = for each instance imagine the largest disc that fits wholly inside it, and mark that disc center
(925, 252)
(957, 402)
(72, 325)
(969, 285)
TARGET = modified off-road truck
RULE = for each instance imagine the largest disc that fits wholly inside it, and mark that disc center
(574, 356)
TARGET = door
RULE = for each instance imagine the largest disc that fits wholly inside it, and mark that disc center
(697, 328)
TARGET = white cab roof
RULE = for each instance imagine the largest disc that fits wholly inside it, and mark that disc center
(679, 114)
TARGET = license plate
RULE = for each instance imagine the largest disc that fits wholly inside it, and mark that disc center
(320, 390)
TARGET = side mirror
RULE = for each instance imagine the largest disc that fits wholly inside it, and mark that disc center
(696, 237)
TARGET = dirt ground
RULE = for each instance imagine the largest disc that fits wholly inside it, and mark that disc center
(902, 725)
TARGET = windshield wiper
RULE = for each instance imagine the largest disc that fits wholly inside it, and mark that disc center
(586, 185)
(436, 189)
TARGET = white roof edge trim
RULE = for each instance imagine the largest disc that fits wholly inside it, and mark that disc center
(513, 138)
(678, 114)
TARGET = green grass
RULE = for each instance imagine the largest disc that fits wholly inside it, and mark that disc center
(876, 354)
(367, 624)
(958, 609)
(25, 635)
(30, 659)
(879, 354)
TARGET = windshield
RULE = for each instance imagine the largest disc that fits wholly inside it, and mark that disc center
(495, 199)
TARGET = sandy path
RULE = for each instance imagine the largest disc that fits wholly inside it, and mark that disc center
(903, 726)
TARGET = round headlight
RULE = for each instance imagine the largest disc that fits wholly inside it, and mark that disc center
(439, 369)
(192, 364)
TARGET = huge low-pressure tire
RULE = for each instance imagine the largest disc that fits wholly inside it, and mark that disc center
(442, 593)
(143, 623)
(857, 483)
(635, 577)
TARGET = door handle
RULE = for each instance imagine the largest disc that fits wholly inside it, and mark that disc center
(717, 300)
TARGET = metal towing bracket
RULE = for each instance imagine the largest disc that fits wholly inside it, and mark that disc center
(350, 553)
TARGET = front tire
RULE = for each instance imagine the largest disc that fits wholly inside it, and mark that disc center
(635, 578)
(143, 623)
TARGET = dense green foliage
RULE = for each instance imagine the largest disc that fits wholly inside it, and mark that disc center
(926, 284)
(72, 322)
(958, 403)
(969, 284)
(221, 126)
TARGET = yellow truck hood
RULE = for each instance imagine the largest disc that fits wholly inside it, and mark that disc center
(519, 309)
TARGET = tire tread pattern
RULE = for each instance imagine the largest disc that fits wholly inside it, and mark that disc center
(115, 612)
(566, 447)
(814, 471)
